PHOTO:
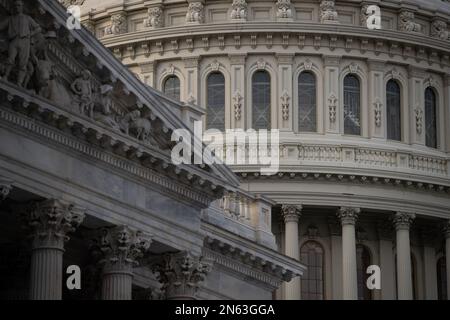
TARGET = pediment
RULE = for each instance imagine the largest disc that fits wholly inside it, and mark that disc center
(73, 71)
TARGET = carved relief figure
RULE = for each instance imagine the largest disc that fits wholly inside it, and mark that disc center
(124, 123)
(83, 89)
(328, 12)
(21, 28)
(155, 18)
(239, 10)
(118, 24)
(104, 112)
(284, 9)
(439, 30)
(195, 12)
(406, 22)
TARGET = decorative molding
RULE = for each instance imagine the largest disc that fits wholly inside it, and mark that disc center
(332, 106)
(285, 104)
(239, 10)
(419, 119)
(195, 13)
(237, 105)
(378, 107)
(155, 17)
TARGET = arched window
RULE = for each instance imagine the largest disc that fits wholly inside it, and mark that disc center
(442, 279)
(362, 263)
(430, 118)
(215, 106)
(312, 282)
(172, 87)
(261, 100)
(307, 102)
(393, 111)
(352, 105)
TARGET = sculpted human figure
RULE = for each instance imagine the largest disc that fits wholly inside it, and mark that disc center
(82, 87)
(21, 28)
(105, 104)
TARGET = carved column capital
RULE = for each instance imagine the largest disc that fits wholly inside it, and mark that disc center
(348, 215)
(121, 248)
(291, 213)
(51, 221)
(181, 274)
(403, 220)
(5, 188)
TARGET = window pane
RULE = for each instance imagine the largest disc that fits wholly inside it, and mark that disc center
(307, 102)
(430, 118)
(215, 108)
(352, 105)
(172, 87)
(311, 255)
(261, 100)
(393, 107)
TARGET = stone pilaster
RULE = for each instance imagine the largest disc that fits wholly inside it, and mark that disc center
(51, 221)
(238, 106)
(291, 215)
(447, 256)
(417, 105)
(348, 218)
(121, 248)
(402, 222)
(181, 275)
(331, 94)
(191, 88)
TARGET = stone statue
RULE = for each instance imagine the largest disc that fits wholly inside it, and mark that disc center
(155, 18)
(195, 12)
(328, 13)
(439, 30)
(406, 22)
(104, 112)
(118, 24)
(124, 123)
(21, 28)
(83, 89)
(239, 10)
(284, 9)
(133, 122)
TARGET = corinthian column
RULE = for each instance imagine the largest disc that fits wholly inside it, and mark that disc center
(348, 218)
(447, 257)
(402, 221)
(51, 221)
(291, 215)
(121, 247)
(181, 275)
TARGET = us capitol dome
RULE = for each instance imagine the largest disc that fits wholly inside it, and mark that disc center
(364, 120)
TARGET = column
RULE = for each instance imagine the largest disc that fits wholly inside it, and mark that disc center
(51, 221)
(402, 222)
(291, 215)
(121, 248)
(237, 114)
(447, 257)
(181, 274)
(428, 236)
(336, 257)
(348, 218)
(331, 94)
(5, 188)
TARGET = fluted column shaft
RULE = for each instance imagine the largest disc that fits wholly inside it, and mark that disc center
(51, 221)
(46, 273)
(291, 215)
(447, 258)
(348, 218)
(402, 222)
(117, 285)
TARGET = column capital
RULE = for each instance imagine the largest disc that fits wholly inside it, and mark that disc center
(348, 215)
(291, 213)
(403, 220)
(5, 188)
(121, 248)
(181, 274)
(51, 221)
